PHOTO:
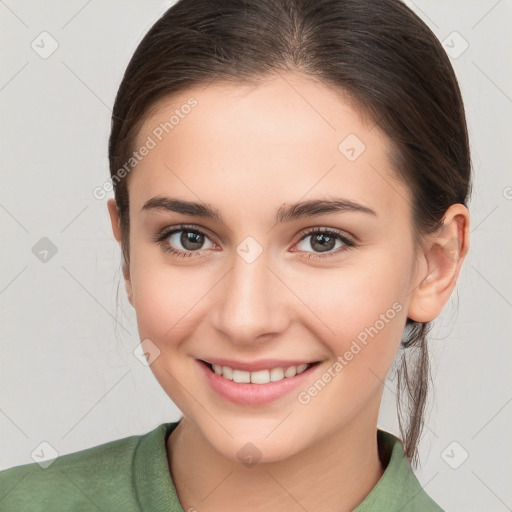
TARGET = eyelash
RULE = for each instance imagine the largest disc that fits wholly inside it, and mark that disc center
(161, 239)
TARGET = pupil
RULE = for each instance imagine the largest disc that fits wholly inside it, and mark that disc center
(326, 242)
(191, 240)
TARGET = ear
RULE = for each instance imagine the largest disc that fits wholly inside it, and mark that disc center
(440, 262)
(116, 229)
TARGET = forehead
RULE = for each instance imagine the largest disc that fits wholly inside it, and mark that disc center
(284, 139)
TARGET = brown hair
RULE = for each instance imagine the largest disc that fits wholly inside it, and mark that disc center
(378, 52)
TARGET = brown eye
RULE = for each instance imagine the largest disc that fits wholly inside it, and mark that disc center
(191, 240)
(322, 242)
(184, 241)
(325, 241)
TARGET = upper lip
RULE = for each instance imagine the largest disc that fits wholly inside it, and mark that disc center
(253, 366)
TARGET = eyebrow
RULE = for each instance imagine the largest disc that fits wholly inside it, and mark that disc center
(286, 213)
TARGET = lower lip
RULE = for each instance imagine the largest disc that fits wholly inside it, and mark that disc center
(254, 394)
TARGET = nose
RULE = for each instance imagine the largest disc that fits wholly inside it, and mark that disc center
(251, 303)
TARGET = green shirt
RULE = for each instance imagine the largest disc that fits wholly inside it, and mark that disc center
(132, 474)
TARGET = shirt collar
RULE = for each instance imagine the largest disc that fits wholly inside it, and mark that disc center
(397, 489)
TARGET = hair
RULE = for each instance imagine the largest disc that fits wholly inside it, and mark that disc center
(378, 53)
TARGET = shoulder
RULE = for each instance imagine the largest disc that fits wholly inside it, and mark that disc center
(398, 488)
(97, 478)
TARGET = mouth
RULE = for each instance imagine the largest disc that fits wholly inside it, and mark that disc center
(261, 383)
(261, 376)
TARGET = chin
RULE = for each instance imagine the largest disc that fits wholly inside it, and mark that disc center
(258, 448)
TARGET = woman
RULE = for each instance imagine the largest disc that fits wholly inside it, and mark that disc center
(291, 180)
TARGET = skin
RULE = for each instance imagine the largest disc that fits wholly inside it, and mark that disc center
(247, 150)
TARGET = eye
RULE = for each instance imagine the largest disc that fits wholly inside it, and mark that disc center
(187, 241)
(183, 241)
(324, 240)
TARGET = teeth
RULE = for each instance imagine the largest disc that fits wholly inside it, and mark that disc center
(227, 373)
(276, 374)
(240, 375)
(260, 376)
(291, 372)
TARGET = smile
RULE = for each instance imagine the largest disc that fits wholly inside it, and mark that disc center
(260, 376)
(260, 383)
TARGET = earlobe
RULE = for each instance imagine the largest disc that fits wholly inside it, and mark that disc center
(443, 256)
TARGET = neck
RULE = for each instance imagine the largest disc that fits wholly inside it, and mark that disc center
(335, 474)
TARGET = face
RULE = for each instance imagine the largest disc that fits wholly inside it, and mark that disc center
(250, 282)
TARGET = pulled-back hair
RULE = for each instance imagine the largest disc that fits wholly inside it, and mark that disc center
(377, 52)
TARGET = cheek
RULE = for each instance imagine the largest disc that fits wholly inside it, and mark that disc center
(166, 300)
(365, 320)
(363, 310)
(356, 297)
(166, 297)
(169, 304)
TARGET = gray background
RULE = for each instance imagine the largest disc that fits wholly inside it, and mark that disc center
(68, 376)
